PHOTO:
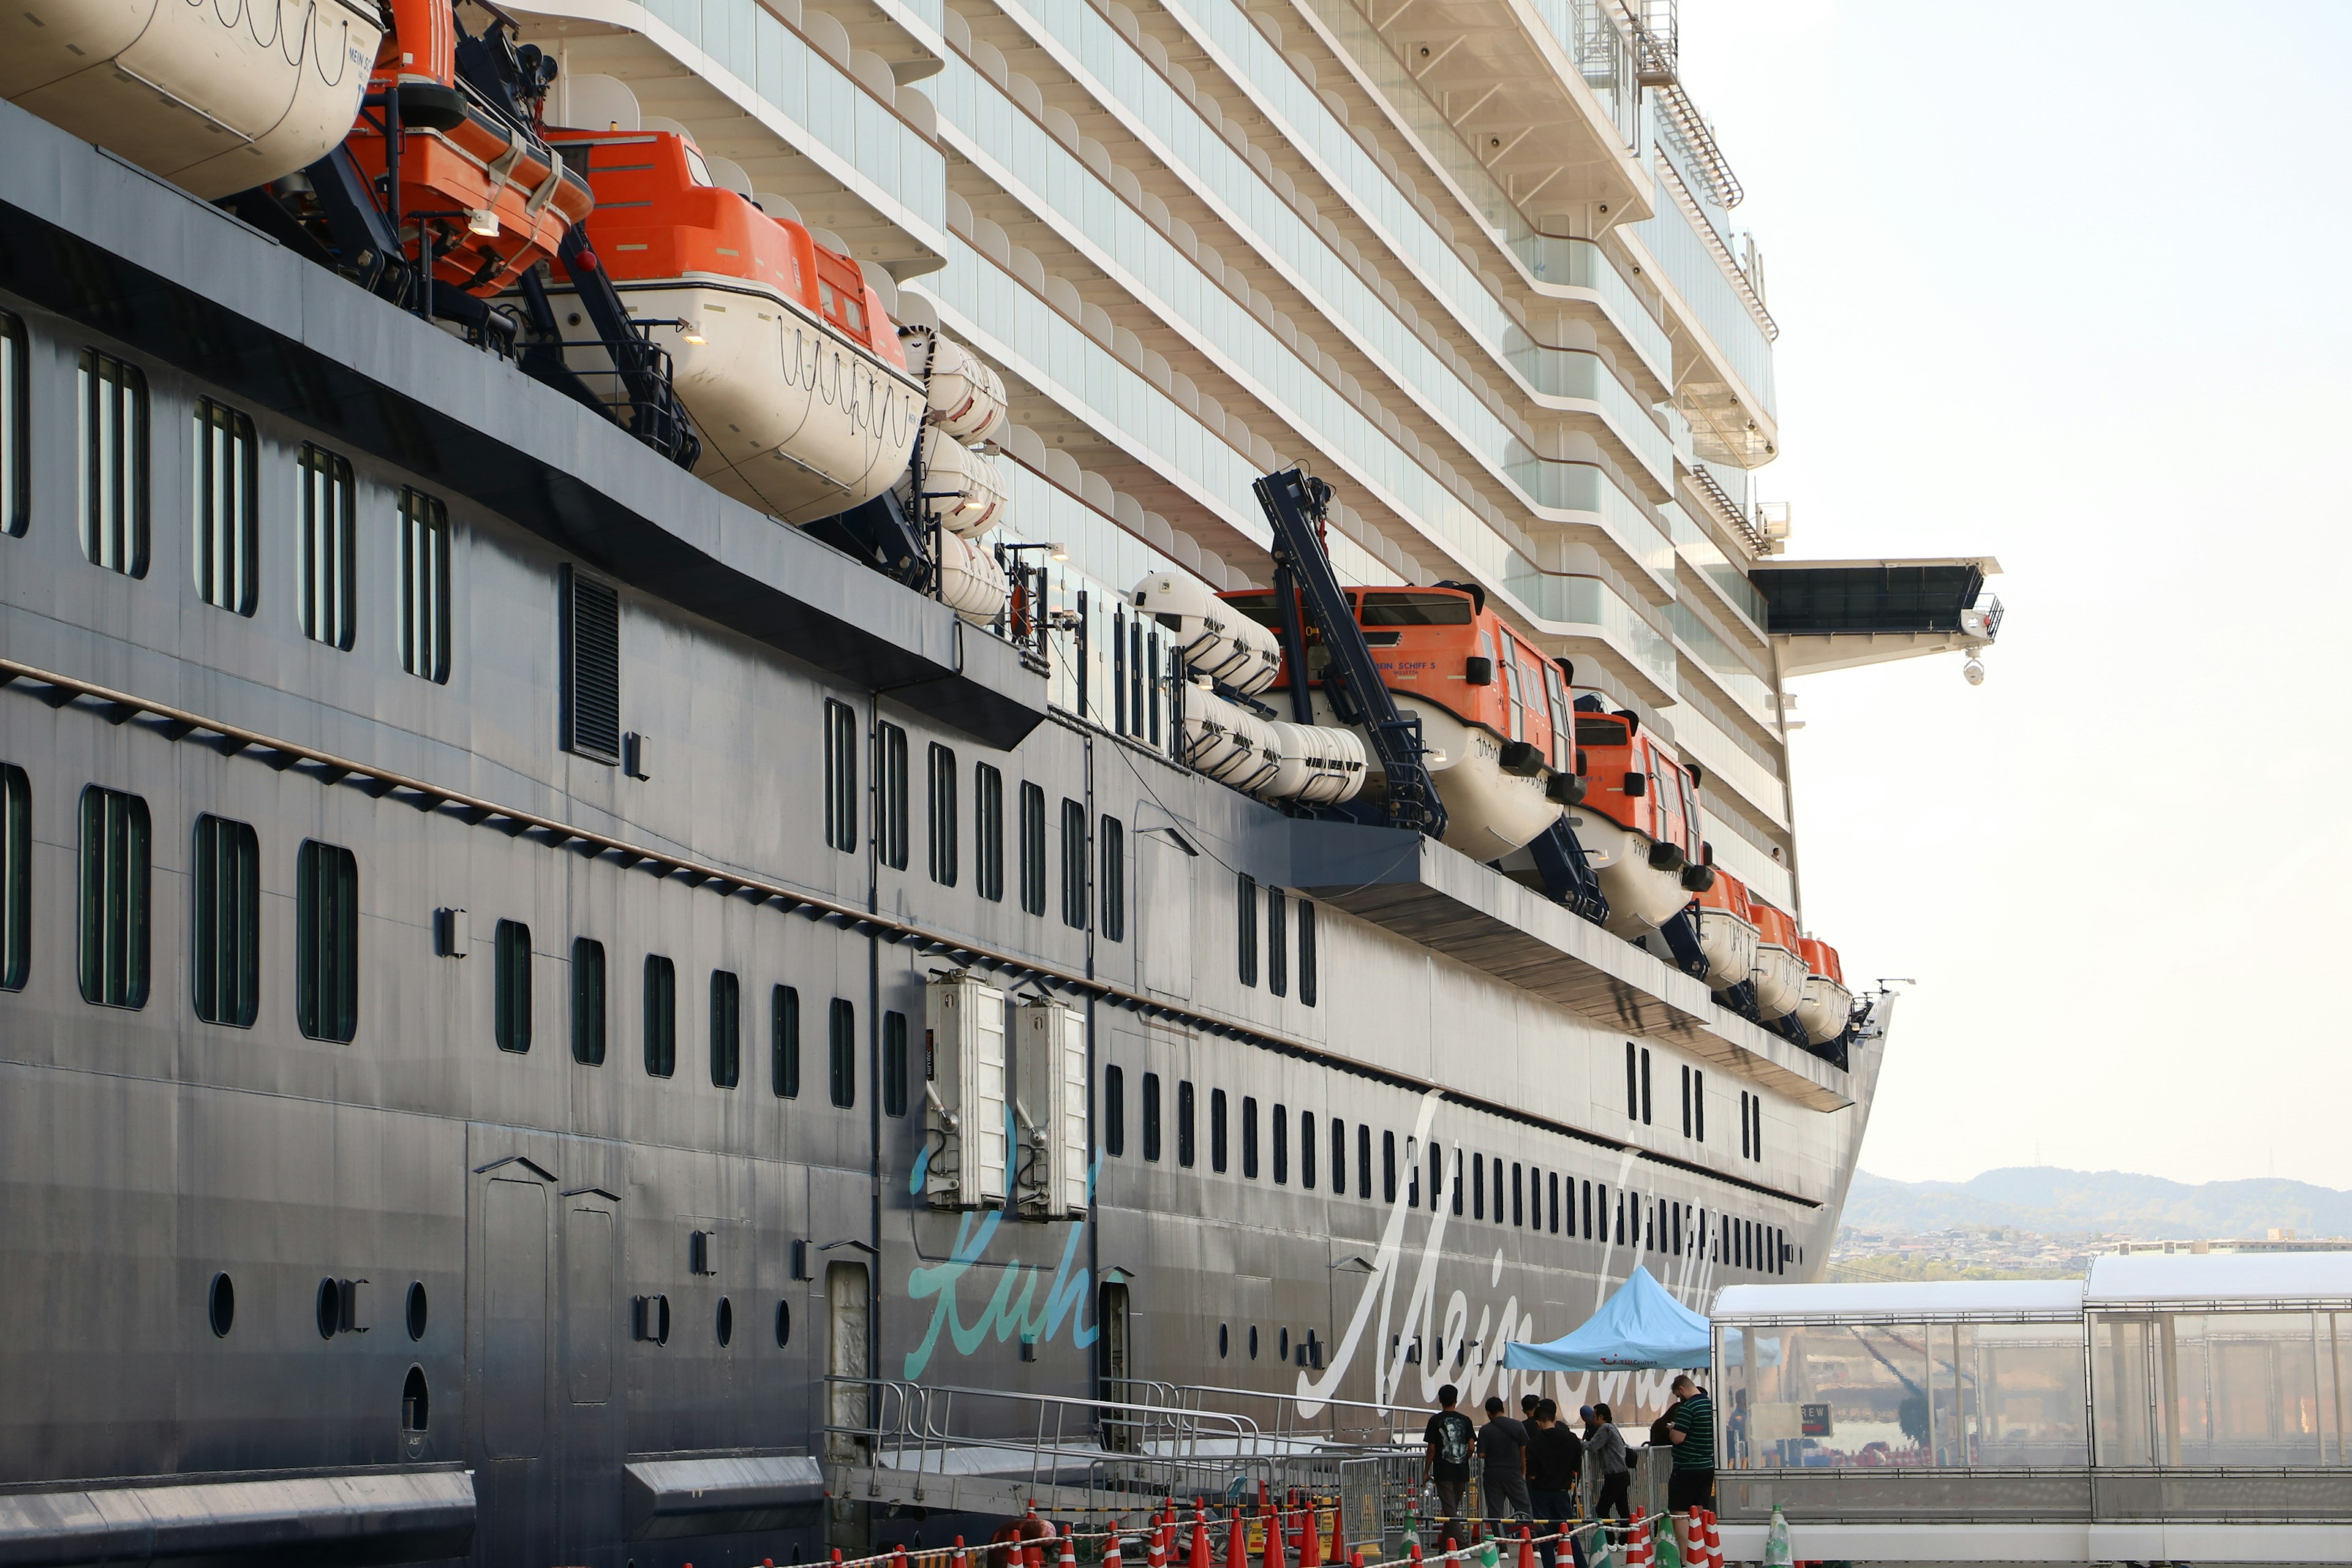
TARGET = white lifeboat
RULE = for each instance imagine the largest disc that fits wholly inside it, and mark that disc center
(1825, 1003)
(215, 99)
(1780, 965)
(967, 395)
(1217, 639)
(1227, 742)
(963, 487)
(1727, 931)
(971, 583)
(1319, 764)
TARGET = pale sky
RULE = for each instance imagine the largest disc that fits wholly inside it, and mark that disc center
(2067, 283)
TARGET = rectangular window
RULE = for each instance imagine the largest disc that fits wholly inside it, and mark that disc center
(1118, 672)
(1645, 1086)
(1306, 980)
(1746, 1142)
(1152, 1116)
(1756, 1112)
(327, 941)
(890, 821)
(587, 1001)
(113, 463)
(16, 872)
(988, 827)
(1411, 1173)
(842, 1052)
(228, 519)
(894, 1064)
(1519, 1212)
(115, 873)
(1338, 1156)
(327, 548)
(1249, 1136)
(944, 851)
(1698, 1104)
(1277, 943)
(1587, 1211)
(1457, 1182)
(1033, 848)
(1686, 1101)
(1114, 877)
(1632, 1083)
(661, 1016)
(1497, 1173)
(424, 585)
(510, 987)
(1186, 1148)
(784, 1042)
(1073, 864)
(592, 667)
(1555, 1200)
(1306, 1159)
(15, 428)
(840, 776)
(224, 947)
(1245, 924)
(1478, 1186)
(1678, 1229)
(1115, 1112)
(1364, 1162)
(1152, 655)
(1281, 1121)
(1388, 1165)
(726, 1029)
(1437, 1179)
(1217, 1147)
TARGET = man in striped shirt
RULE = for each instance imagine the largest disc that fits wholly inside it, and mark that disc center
(1690, 1427)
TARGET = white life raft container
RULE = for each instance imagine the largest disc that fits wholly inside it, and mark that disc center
(1217, 639)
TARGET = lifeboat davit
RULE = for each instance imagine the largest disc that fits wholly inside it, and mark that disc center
(1780, 962)
(1727, 931)
(1493, 709)
(1826, 1005)
(1639, 822)
(785, 357)
(215, 99)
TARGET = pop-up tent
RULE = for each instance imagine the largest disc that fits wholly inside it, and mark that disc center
(1638, 1329)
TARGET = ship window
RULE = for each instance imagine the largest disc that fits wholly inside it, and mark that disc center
(587, 1001)
(1151, 653)
(1245, 920)
(1518, 1210)
(1033, 848)
(113, 463)
(1632, 1083)
(1118, 672)
(510, 987)
(1678, 1230)
(1698, 1104)
(1686, 1101)
(1186, 1148)
(424, 585)
(1115, 1112)
(1645, 1086)
(1217, 1130)
(1339, 1157)
(842, 1052)
(16, 878)
(661, 1016)
(591, 668)
(1281, 1121)
(1152, 1116)
(1135, 678)
(988, 809)
(1756, 1114)
(1457, 1182)
(944, 851)
(1252, 1341)
(726, 1029)
(1745, 1144)
(1307, 1150)
(1436, 1176)
(1553, 1183)
(784, 1042)
(228, 521)
(327, 941)
(1364, 1160)
(1600, 731)
(1113, 834)
(891, 824)
(220, 1305)
(15, 428)
(1306, 954)
(1249, 1136)
(1388, 1165)
(1587, 1211)
(840, 776)
(1224, 1339)
(1478, 1187)
(1413, 610)
(894, 1064)
(224, 959)
(326, 549)
(1074, 865)
(1277, 943)
(114, 897)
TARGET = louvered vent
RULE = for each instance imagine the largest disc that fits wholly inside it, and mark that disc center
(592, 669)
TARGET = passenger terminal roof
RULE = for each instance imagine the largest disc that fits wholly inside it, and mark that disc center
(2228, 1279)
(1990, 1300)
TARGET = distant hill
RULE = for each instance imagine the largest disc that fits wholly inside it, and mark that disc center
(2053, 1202)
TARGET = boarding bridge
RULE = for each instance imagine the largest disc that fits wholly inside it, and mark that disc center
(2170, 1408)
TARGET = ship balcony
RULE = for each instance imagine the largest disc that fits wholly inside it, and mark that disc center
(1842, 614)
(1722, 333)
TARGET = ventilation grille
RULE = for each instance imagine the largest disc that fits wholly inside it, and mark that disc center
(591, 705)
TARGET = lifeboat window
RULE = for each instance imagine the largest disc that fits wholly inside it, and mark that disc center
(1187, 1144)
(853, 314)
(696, 168)
(784, 1042)
(1410, 610)
(1516, 720)
(1151, 1117)
(1245, 924)
(1600, 732)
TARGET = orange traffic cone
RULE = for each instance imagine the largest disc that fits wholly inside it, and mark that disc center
(1200, 1538)
(1310, 1546)
(1110, 1551)
(1069, 1552)
(962, 1559)
(1637, 1548)
(1157, 1556)
(1527, 1548)
(1237, 1543)
(1338, 1552)
(1714, 1542)
(1275, 1557)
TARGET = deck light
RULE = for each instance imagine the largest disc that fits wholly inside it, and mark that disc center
(482, 221)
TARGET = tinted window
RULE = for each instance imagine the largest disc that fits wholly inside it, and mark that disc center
(1414, 610)
(726, 1029)
(842, 1050)
(225, 957)
(510, 987)
(326, 942)
(587, 1001)
(114, 897)
(784, 1042)
(661, 1016)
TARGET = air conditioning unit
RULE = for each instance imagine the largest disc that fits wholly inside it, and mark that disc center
(1051, 1104)
(963, 1093)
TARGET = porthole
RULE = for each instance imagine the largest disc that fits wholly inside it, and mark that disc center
(330, 1309)
(726, 1321)
(784, 1324)
(1284, 1353)
(1252, 1341)
(415, 1402)
(220, 1305)
(1224, 1340)
(416, 1310)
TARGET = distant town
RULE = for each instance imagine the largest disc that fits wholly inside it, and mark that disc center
(2005, 1252)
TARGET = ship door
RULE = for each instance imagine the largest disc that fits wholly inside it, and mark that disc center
(848, 1398)
(1121, 1435)
(514, 1218)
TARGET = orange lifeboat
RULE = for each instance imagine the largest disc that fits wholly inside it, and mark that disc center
(783, 355)
(1826, 1002)
(1779, 960)
(1727, 931)
(1493, 709)
(1638, 823)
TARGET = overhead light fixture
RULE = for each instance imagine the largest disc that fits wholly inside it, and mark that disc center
(1057, 551)
(691, 331)
(481, 221)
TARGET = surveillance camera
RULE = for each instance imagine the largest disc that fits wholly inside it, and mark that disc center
(1973, 672)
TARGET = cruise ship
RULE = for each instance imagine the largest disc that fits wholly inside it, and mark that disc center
(716, 712)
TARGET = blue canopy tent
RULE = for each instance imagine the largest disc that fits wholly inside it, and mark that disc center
(1638, 1329)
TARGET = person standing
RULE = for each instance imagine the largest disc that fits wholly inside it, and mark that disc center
(1451, 1439)
(1604, 1447)
(1690, 1427)
(1555, 1457)
(1503, 1448)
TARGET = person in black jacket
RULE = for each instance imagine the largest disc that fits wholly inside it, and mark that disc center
(1555, 1461)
